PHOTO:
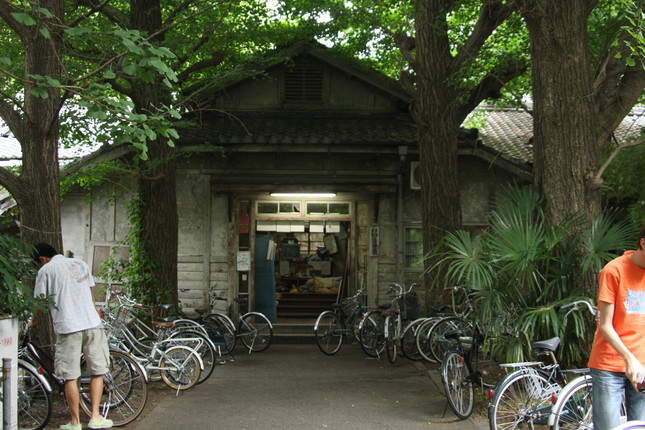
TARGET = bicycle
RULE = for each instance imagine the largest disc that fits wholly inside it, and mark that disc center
(430, 340)
(460, 371)
(332, 326)
(526, 396)
(406, 308)
(253, 328)
(179, 366)
(372, 328)
(140, 338)
(125, 387)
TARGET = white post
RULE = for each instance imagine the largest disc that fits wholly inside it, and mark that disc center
(9, 350)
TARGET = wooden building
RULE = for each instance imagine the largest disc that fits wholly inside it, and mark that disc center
(299, 181)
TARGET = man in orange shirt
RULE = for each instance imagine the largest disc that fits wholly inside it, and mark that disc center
(618, 351)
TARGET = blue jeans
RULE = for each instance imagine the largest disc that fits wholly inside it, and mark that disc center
(607, 393)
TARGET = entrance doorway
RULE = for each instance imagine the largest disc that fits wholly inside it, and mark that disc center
(312, 240)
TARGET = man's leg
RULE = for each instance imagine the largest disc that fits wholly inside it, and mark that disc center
(96, 391)
(73, 400)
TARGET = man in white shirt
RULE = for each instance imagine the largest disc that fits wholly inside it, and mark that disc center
(78, 328)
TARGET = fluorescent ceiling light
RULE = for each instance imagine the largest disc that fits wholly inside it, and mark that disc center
(303, 194)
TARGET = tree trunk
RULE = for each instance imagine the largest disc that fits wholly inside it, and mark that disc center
(435, 113)
(159, 218)
(566, 154)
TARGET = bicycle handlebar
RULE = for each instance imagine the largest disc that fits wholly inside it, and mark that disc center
(575, 306)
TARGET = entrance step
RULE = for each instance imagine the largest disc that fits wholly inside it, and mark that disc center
(294, 331)
(303, 305)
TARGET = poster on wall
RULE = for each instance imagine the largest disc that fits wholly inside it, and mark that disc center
(243, 261)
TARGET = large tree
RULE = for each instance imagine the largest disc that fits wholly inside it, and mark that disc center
(583, 87)
(31, 111)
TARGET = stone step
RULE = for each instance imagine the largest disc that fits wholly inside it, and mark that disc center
(294, 330)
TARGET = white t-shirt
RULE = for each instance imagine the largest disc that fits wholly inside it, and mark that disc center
(68, 282)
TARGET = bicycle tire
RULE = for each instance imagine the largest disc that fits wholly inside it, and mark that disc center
(372, 334)
(409, 340)
(180, 368)
(457, 384)
(523, 401)
(125, 390)
(391, 337)
(328, 331)
(422, 339)
(34, 400)
(204, 347)
(221, 331)
(255, 331)
(438, 343)
(573, 409)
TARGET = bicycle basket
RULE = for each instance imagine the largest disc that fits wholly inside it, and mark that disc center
(410, 306)
(348, 305)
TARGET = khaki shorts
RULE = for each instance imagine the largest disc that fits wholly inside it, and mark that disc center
(92, 343)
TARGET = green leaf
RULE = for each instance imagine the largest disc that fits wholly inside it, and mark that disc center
(39, 92)
(45, 33)
(6, 61)
(109, 74)
(45, 12)
(77, 31)
(24, 18)
(131, 69)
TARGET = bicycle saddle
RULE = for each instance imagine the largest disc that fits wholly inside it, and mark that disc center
(549, 345)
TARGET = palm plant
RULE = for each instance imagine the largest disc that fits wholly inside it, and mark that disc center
(522, 270)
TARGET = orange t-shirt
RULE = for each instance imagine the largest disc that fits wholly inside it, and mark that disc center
(622, 283)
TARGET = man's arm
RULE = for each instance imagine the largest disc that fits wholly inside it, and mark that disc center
(634, 369)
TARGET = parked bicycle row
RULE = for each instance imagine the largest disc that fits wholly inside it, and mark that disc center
(179, 351)
(393, 329)
(535, 393)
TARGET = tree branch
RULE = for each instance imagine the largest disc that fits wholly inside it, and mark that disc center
(217, 59)
(6, 8)
(492, 14)
(597, 179)
(11, 118)
(489, 87)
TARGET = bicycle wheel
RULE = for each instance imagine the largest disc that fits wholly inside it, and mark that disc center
(409, 340)
(372, 334)
(204, 347)
(423, 339)
(221, 331)
(125, 390)
(255, 331)
(524, 401)
(329, 334)
(457, 384)
(180, 368)
(572, 410)
(438, 343)
(34, 398)
(391, 337)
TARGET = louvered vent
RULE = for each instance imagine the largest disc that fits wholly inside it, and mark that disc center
(304, 84)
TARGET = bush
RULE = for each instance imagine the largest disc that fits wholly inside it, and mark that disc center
(523, 270)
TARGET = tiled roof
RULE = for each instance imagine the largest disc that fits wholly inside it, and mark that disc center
(509, 131)
(279, 128)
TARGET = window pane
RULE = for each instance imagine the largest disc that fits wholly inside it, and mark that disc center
(316, 208)
(289, 207)
(267, 208)
(339, 208)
